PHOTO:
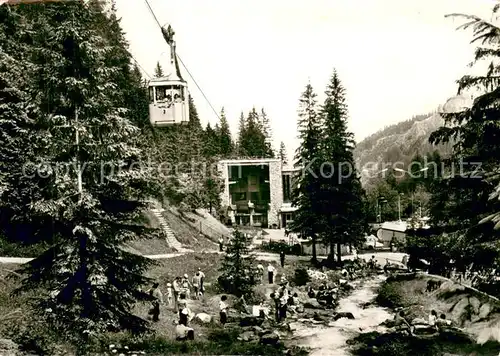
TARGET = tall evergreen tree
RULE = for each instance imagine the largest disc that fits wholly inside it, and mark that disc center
(88, 188)
(253, 141)
(241, 133)
(158, 70)
(238, 271)
(226, 145)
(283, 154)
(461, 196)
(268, 134)
(210, 142)
(342, 203)
(305, 194)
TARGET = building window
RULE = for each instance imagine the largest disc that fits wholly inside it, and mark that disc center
(254, 196)
(257, 219)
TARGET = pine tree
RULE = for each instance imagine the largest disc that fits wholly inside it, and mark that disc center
(158, 70)
(268, 134)
(342, 203)
(92, 282)
(305, 194)
(226, 145)
(461, 195)
(282, 154)
(252, 140)
(241, 134)
(238, 271)
(210, 142)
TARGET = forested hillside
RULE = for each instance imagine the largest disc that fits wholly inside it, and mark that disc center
(400, 143)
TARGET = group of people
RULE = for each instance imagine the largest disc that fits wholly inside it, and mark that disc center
(438, 323)
(177, 293)
(284, 301)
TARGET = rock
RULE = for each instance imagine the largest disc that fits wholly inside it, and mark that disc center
(266, 324)
(299, 309)
(317, 317)
(312, 304)
(271, 338)
(419, 321)
(484, 310)
(247, 336)
(8, 347)
(258, 330)
(294, 326)
(341, 315)
(475, 303)
(203, 318)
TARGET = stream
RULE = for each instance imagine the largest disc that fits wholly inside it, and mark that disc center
(331, 340)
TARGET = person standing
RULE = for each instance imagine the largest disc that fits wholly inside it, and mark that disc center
(158, 299)
(223, 310)
(260, 268)
(176, 287)
(197, 285)
(202, 280)
(270, 273)
(282, 258)
(186, 286)
(221, 244)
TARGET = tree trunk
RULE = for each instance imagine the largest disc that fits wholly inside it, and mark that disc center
(331, 256)
(314, 255)
(339, 253)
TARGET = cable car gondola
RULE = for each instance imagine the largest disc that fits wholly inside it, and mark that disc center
(168, 95)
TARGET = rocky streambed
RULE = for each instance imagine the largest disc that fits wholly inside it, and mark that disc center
(330, 337)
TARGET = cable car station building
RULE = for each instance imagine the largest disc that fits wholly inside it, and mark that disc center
(257, 192)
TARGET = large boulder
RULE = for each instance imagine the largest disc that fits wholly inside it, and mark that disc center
(203, 318)
(271, 338)
(312, 303)
(247, 336)
(341, 315)
(8, 347)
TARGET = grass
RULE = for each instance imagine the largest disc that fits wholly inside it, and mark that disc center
(219, 342)
(19, 323)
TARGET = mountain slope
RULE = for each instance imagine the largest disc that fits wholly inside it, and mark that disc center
(398, 144)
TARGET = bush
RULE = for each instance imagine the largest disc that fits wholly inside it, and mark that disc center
(389, 296)
(278, 246)
(301, 277)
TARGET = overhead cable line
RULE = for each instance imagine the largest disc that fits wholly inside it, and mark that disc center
(180, 60)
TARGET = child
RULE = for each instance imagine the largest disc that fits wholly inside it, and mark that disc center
(170, 294)
(223, 310)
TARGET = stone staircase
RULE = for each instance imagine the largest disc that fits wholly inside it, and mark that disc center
(169, 234)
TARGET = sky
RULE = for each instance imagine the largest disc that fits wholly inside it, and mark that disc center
(396, 58)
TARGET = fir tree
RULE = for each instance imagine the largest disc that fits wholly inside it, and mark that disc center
(461, 194)
(210, 142)
(226, 145)
(158, 70)
(342, 203)
(305, 194)
(238, 271)
(252, 140)
(282, 154)
(268, 134)
(241, 134)
(91, 282)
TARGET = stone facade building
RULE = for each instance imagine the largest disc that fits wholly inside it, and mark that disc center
(257, 192)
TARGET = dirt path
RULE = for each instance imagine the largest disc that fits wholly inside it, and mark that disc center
(331, 340)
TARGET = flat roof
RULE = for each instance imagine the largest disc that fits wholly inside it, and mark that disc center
(249, 161)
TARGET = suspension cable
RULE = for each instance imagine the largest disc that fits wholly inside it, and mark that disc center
(180, 60)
